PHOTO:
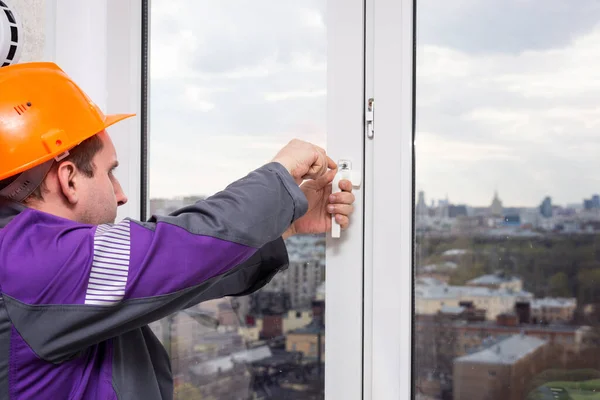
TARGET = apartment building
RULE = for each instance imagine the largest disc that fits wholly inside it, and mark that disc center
(501, 372)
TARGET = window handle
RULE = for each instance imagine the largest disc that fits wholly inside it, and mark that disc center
(344, 172)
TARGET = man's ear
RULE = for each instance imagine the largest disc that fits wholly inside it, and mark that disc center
(68, 179)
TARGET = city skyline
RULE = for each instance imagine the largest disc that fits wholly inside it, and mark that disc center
(429, 199)
(505, 204)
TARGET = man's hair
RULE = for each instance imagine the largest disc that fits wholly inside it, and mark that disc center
(82, 156)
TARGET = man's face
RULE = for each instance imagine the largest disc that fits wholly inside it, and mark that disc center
(101, 194)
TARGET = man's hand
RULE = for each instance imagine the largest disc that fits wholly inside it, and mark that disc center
(322, 204)
(304, 160)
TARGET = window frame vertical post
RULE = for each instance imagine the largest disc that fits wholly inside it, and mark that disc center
(345, 133)
(391, 194)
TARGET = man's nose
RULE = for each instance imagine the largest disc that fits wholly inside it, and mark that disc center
(121, 197)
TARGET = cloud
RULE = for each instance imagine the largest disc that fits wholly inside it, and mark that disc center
(279, 96)
(231, 83)
(207, 164)
(506, 26)
(235, 39)
(523, 120)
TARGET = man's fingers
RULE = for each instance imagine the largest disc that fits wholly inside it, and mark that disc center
(343, 209)
(315, 172)
(346, 185)
(342, 220)
(327, 178)
(320, 166)
(324, 162)
(330, 163)
(304, 160)
(342, 198)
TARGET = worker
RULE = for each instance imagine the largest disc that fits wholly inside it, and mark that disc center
(79, 290)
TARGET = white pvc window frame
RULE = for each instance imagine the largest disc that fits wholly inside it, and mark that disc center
(344, 259)
(103, 45)
(389, 200)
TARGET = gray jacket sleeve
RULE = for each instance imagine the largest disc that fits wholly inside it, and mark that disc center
(80, 285)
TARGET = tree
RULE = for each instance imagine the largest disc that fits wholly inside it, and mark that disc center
(559, 285)
(466, 272)
(444, 348)
(187, 391)
(589, 292)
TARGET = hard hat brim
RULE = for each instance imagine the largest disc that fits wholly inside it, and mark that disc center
(114, 118)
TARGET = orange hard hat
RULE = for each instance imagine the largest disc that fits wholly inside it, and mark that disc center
(43, 114)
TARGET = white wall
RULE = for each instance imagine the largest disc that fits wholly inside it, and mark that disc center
(32, 14)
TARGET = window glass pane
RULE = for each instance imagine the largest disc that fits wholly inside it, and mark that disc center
(507, 237)
(231, 83)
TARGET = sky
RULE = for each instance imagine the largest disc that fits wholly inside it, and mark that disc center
(508, 99)
(231, 83)
(508, 95)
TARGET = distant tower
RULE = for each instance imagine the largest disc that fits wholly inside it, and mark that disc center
(442, 209)
(421, 205)
(496, 207)
(546, 208)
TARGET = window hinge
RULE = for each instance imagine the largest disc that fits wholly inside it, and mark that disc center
(370, 118)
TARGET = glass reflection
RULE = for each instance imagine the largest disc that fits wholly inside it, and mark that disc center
(231, 83)
(507, 233)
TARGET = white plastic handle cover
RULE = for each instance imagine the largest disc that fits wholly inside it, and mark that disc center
(344, 172)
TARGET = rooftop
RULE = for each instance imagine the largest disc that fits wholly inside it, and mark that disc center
(429, 320)
(444, 291)
(492, 279)
(226, 363)
(428, 281)
(506, 352)
(554, 302)
(455, 252)
(452, 310)
(512, 232)
(563, 328)
(439, 267)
